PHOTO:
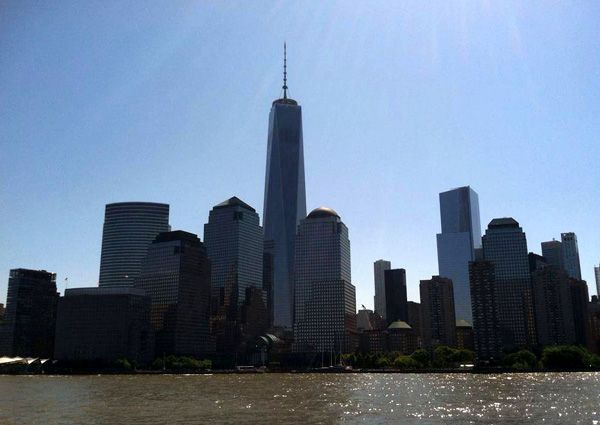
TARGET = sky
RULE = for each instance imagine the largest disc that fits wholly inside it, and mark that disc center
(168, 101)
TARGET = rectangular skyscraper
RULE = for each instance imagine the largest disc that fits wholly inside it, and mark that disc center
(456, 245)
(285, 200)
(597, 274)
(570, 254)
(552, 252)
(437, 306)
(379, 268)
(395, 295)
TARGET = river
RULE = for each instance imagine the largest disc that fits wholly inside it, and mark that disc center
(548, 398)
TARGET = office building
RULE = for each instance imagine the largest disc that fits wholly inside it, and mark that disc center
(580, 301)
(325, 306)
(395, 295)
(129, 228)
(437, 307)
(379, 268)
(285, 199)
(175, 276)
(30, 316)
(570, 254)
(456, 245)
(553, 306)
(464, 335)
(597, 275)
(552, 252)
(414, 318)
(102, 325)
(486, 324)
(505, 245)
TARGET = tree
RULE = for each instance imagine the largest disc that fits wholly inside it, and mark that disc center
(521, 360)
(565, 357)
(422, 357)
(406, 362)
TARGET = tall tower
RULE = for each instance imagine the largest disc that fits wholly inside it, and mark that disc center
(570, 254)
(379, 268)
(129, 228)
(597, 274)
(456, 245)
(285, 199)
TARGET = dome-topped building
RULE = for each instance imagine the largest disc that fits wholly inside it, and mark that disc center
(323, 212)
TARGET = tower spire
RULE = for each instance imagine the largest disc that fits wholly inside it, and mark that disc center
(285, 87)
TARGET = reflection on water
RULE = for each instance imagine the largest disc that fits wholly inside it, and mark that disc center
(302, 398)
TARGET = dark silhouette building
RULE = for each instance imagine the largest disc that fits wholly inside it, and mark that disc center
(395, 295)
(552, 252)
(437, 307)
(414, 318)
(129, 228)
(176, 276)
(486, 327)
(505, 245)
(284, 201)
(580, 302)
(30, 317)
(464, 335)
(102, 325)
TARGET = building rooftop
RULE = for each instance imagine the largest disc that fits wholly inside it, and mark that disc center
(176, 235)
(399, 324)
(106, 290)
(504, 222)
(232, 202)
(460, 323)
(322, 212)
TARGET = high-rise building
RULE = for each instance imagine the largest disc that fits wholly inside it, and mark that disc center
(570, 254)
(379, 268)
(234, 243)
(285, 199)
(486, 325)
(30, 318)
(552, 252)
(129, 228)
(104, 324)
(414, 317)
(456, 245)
(597, 274)
(395, 295)
(553, 306)
(505, 245)
(325, 307)
(580, 301)
(437, 307)
(176, 276)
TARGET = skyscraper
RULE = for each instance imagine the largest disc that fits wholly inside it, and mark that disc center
(395, 295)
(379, 268)
(234, 243)
(30, 315)
(325, 299)
(437, 307)
(456, 245)
(552, 252)
(486, 329)
(285, 199)
(505, 245)
(176, 276)
(597, 274)
(570, 254)
(129, 228)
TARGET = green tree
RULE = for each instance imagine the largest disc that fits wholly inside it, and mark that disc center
(521, 360)
(123, 364)
(422, 357)
(565, 357)
(406, 362)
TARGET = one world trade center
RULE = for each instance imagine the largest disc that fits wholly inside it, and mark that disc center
(285, 201)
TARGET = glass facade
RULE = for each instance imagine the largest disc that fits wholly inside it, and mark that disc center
(570, 254)
(176, 276)
(395, 295)
(379, 268)
(552, 252)
(456, 245)
(284, 202)
(505, 245)
(129, 228)
(325, 300)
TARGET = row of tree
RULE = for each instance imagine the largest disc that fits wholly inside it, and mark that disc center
(557, 357)
(442, 357)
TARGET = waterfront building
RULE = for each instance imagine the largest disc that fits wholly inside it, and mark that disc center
(580, 301)
(437, 307)
(129, 228)
(553, 306)
(505, 245)
(325, 299)
(414, 318)
(363, 320)
(486, 323)
(570, 254)
(552, 251)
(30, 317)
(464, 335)
(401, 338)
(395, 295)
(594, 321)
(456, 245)
(536, 262)
(285, 200)
(104, 324)
(175, 275)
(379, 268)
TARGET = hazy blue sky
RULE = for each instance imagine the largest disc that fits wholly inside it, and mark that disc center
(168, 101)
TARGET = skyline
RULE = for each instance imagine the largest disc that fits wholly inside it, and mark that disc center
(58, 226)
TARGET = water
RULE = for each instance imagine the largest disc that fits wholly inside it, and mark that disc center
(549, 398)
